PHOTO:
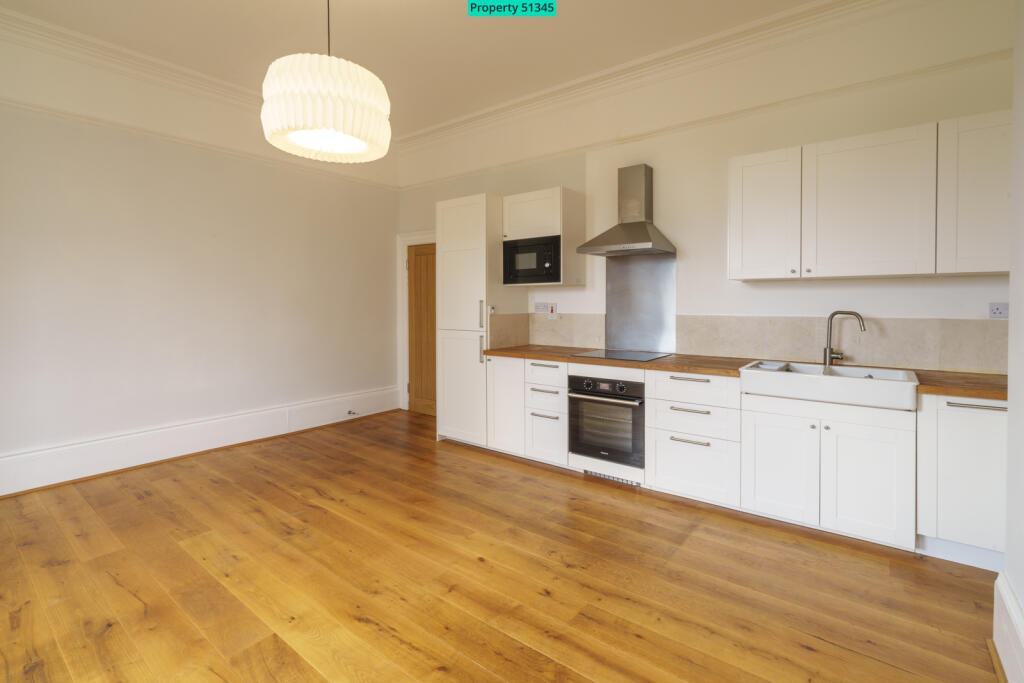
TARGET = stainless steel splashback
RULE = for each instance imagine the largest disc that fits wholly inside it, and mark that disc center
(640, 303)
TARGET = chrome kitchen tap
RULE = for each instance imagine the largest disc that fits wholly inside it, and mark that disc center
(830, 353)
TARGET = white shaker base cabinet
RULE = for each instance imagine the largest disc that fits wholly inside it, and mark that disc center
(462, 387)
(868, 481)
(962, 470)
(779, 473)
(694, 466)
(505, 401)
(547, 436)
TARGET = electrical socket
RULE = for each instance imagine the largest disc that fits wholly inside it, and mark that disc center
(999, 310)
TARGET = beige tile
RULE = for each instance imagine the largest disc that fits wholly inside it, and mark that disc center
(510, 329)
(924, 343)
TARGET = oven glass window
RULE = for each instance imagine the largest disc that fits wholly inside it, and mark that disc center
(606, 427)
(526, 260)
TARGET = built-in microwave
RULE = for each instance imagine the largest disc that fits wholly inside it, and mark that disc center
(537, 260)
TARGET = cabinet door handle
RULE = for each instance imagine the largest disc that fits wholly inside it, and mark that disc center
(976, 406)
(814, 426)
(689, 379)
(690, 441)
(690, 410)
(544, 365)
(481, 348)
(481, 314)
(827, 428)
(546, 417)
(544, 391)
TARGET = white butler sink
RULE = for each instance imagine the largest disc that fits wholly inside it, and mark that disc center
(849, 384)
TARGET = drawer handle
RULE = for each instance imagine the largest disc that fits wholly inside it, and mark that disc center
(689, 379)
(976, 406)
(690, 441)
(690, 410)
(543, 365)
(544, 391)
(546, 417)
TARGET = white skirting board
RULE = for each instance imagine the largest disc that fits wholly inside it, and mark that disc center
(1008, 630)
(45, 466)
(991, 560)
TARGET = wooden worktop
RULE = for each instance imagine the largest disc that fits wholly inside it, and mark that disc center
(965, 384)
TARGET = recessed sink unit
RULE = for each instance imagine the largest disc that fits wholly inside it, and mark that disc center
(848, 384)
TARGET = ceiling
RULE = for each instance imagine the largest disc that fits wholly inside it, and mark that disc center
(437, 63)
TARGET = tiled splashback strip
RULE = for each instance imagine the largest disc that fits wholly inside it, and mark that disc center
(958, 345)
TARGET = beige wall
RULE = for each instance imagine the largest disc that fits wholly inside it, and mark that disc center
(1014, 571)
(146, 283)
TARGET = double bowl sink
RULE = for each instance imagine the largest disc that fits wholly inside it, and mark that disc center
(848, 384)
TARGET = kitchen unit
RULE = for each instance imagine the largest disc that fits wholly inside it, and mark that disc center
(914, 477)
(539, 236)
(468, 235)
(826, 209)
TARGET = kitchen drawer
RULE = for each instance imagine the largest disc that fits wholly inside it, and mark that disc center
(547, 436)
(547, 372)
(692, 418)
(545, 397)
(694, 466)
(687, 387)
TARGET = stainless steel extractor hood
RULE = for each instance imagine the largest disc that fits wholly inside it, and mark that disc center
(635, 232)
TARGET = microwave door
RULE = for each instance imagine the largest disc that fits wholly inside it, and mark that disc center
(532, 261)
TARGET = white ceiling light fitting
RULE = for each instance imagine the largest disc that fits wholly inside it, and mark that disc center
(325, 108)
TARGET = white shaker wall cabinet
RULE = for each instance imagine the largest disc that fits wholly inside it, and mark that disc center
(868, 482)
(505, 402)
(764, 215)
(543, 213)
(461, 386)
(962, 470)
(973, 203)
(869, 204)
(468, 234)
(780, 466)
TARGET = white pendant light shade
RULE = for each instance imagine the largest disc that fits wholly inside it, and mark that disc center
(325, 108)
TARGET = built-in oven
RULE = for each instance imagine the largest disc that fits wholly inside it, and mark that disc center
(606, 419)
(537, 260)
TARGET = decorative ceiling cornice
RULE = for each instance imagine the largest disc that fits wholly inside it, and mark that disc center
(40, 35)
(725, 46)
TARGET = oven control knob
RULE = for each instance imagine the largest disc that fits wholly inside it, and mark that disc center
(620, 387)
(588, 384)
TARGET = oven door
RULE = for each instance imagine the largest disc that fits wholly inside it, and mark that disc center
(532, 261)
(607, 428)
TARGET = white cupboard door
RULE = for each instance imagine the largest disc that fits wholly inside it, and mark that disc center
(973, 203)
(547, 436)
(461, 263)
(694, 466)
(461, 387)
(764, 215)
(532, 214)
(779, 471)
(971, 472)
(868, 482)
(869, 204)
(505, 403)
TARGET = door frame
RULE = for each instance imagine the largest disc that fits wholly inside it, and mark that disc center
(403, 241)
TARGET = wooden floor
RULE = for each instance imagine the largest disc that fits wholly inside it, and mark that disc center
(369, 551)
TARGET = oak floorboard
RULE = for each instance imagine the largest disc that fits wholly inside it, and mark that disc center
(367, 550)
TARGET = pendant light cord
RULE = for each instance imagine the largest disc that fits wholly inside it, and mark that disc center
(328, 28)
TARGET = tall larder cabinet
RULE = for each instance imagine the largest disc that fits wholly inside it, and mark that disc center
(469, 291)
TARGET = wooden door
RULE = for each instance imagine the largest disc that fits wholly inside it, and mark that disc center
(422, 330)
